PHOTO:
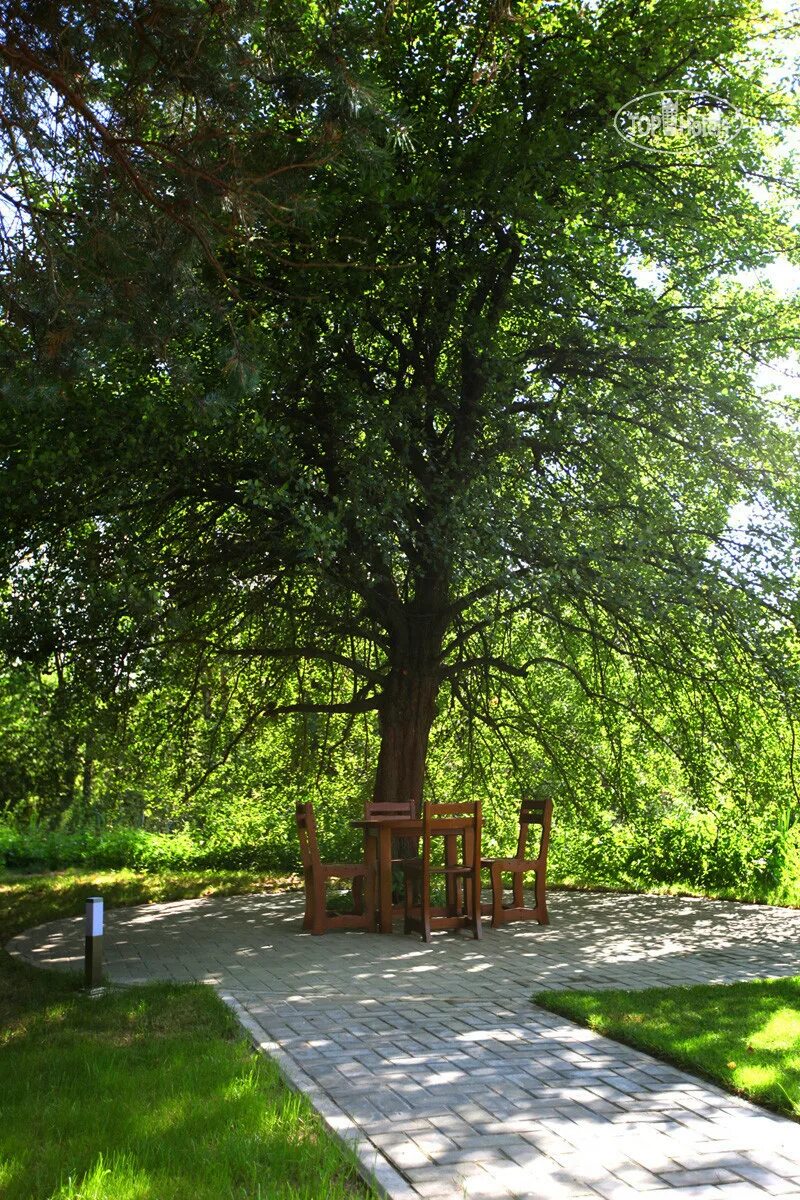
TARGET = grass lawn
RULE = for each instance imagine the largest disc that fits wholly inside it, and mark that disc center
(146, 1093)
(744, 1036)
(787, 895)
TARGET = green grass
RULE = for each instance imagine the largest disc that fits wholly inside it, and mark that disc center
(744, 1036)
(787, 895)
(145, 1093)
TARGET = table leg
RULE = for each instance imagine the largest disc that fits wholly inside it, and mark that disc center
(385, 876)
(371, 861)
(469, 851)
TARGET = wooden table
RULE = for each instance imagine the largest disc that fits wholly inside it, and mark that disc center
(378, 834)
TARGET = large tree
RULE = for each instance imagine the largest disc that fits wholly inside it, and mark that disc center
(489, 361)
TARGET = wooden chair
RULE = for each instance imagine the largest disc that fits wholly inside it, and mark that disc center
(419, 912)
(532, 813)
(316, 874)
(403, 810)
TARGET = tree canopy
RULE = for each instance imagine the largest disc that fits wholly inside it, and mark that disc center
(466, 402)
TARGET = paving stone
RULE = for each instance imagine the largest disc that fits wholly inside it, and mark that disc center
(707, 1175)
(441, 1189)
(450, 1083)
(770, 1181)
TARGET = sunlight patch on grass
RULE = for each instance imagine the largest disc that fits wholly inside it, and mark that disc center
(117, 1179)
(781, 1030)
(787, 894)
(744, 1036)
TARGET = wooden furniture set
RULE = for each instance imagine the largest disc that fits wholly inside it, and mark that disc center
(458, 874)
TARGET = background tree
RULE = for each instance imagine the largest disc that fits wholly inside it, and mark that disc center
(442, 399)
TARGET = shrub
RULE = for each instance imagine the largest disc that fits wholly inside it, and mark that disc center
(757, 858)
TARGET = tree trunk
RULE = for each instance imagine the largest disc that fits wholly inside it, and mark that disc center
(408, 707)
(405, 719)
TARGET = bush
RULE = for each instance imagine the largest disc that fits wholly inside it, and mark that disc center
(36, 849)
(757, 858)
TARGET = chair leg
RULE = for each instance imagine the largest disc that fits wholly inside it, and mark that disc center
(318, 919)
(409, 899)
(497, 897)
(425, 913)
(475, 909)
(541, 899)
(308, 916)
(369, 897)
(519, 898)
(451, 892)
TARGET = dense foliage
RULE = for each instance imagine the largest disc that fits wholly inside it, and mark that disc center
(436, 421)
(629, 812)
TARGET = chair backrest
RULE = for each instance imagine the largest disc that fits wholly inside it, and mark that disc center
(441, 814)
(307, 835)
(404, 809)
(534, 811)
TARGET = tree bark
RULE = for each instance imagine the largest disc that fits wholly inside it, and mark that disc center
(407, 711)
(405, 719)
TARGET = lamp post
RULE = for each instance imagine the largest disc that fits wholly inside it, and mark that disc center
(93, 957)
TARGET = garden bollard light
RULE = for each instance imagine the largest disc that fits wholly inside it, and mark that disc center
(93, 959)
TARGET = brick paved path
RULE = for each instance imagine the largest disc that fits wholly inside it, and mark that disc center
(433, 1061)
